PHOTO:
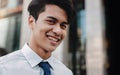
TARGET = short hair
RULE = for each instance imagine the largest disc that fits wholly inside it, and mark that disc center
(37, 6)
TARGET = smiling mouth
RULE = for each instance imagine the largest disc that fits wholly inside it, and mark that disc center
(54, 39)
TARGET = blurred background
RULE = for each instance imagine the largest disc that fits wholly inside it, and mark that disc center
(90, 47)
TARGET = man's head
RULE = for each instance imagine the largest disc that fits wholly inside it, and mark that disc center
(38, 6)
(49, 23)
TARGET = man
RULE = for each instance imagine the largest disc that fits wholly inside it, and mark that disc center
(48, 21)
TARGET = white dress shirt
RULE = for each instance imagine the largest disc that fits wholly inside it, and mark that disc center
(25, 62)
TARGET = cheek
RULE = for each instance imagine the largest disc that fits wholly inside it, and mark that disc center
(42, 31)
(64, 34)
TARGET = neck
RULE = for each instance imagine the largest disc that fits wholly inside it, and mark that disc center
(44, 54)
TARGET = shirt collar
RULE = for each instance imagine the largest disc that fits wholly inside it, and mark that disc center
(34, 59)
(51, 61)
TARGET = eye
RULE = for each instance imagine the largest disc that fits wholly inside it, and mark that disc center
(64, 26)
(51, 22)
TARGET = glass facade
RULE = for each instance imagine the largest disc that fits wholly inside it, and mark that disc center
(10, 24)
(77, 39)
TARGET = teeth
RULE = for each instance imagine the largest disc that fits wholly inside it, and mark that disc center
(53, 39)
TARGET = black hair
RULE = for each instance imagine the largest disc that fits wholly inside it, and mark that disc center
(37, 6)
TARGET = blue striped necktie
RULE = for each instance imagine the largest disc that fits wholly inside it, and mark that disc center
(46, 67)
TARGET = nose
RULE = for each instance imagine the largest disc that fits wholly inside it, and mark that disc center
(57, 30)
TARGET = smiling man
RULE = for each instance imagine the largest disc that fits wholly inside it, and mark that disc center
(48, 30)
(49, 21)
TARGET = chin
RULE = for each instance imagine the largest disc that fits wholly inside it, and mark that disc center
(52, 49)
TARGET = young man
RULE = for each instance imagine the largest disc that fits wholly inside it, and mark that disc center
(48, 21)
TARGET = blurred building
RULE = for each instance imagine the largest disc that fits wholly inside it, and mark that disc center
(2, 52)
(10, 24)
(87, 50)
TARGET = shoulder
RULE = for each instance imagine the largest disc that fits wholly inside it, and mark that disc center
(1, 70)
(11, 57)
(61, 68)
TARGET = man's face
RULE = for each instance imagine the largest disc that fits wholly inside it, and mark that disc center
(50, 28)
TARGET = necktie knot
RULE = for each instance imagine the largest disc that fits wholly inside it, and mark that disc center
(46, 67)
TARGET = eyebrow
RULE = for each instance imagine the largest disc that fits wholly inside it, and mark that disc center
(52, 18)
(57, 19)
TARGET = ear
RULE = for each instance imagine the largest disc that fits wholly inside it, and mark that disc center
(31, 21)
